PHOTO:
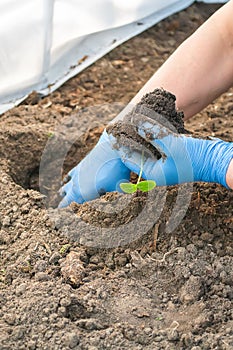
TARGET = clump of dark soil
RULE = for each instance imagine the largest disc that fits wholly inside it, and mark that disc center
(158, 107)
(163, 103)
(91, 276)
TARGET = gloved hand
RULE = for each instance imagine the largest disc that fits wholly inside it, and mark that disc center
(185, 158)
(100, 171)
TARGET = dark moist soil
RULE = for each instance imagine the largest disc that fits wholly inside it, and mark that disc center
(159, 289)
(156, 107)
(163, 102)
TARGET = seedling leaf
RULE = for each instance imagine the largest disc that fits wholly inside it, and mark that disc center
(143, 186)
(128, 187)
(146, 186)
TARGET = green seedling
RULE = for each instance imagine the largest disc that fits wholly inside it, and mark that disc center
(144, 186)
(159, 318)
(64, 249)
(50, 134)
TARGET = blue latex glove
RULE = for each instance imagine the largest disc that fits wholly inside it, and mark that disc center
(100, 171)
(186, 159)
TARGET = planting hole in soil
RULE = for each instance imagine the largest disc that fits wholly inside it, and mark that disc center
(91, 282)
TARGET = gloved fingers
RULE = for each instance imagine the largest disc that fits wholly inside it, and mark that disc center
(69, 176)
(169, 171)
(157, 125)
(69, 198)
(66, 179)
(92, 180)
(135, 162)
(163, 172)
(175, 154)
(157, 135)
(66, 188)
(64, 203)
(70, 194)
(72, 171)
(155, 129)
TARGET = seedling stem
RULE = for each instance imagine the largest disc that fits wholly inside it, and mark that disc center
(144, 186)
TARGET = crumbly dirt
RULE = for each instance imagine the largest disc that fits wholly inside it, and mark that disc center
(62, 284)
(163, 103)
(156, 107)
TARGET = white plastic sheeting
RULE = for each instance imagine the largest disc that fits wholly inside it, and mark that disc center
(43, 43)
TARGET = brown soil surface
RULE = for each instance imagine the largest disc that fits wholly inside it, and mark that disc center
(159, 289)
